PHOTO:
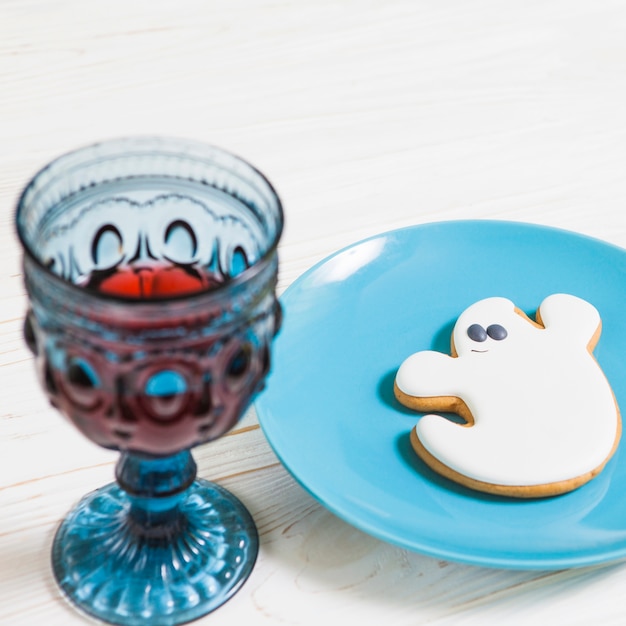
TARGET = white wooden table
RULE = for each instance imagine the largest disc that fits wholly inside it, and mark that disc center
(366, 115)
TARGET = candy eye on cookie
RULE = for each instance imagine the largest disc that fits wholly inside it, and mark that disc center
(477, 333)
(497, 332)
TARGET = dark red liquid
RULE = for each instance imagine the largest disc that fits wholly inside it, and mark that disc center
(152, 281)
(162, 395)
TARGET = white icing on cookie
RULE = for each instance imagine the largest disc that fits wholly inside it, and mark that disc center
(542, 408)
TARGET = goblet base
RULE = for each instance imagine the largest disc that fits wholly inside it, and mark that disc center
(176, 566)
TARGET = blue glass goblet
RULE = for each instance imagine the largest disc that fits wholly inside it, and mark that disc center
(150, 266)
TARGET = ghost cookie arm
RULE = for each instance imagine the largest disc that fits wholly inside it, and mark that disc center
(429, 381)
(572, 317)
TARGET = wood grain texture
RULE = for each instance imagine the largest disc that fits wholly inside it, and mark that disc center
(366, 115)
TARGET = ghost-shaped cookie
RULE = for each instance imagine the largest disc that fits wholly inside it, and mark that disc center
(540, 416)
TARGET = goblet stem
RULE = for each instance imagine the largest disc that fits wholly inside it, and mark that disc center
(158, 547)
(156, 488)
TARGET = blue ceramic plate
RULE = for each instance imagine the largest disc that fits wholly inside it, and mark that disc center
(330, 414)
